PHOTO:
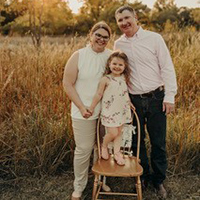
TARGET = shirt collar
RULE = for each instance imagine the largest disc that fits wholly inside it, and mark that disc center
(94, 52)
(138, 34)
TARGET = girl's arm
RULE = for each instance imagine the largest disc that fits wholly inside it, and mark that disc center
(69, 80)
(99, 94)
(132, 106)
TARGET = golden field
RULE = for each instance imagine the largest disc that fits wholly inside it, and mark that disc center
(35, 129)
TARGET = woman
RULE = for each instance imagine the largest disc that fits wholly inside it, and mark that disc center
(81, 77)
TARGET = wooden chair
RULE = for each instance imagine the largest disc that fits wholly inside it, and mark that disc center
(110, 168)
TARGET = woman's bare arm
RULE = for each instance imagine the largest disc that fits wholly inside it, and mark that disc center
(69, 80)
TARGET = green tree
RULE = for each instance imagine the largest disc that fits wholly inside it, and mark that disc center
(185, 18)
(57, 18)
(39, 17)
(195, 14)
(163, 11)
(95, 8)
(8, 13)
(143, 12)
(93, 11)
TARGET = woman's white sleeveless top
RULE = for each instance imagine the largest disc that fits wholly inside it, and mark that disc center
(91, 66)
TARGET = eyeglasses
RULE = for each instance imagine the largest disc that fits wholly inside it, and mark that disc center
(99, 36)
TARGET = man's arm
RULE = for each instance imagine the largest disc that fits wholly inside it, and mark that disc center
(167, 73)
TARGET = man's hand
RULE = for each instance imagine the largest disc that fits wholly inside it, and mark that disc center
(168, 107)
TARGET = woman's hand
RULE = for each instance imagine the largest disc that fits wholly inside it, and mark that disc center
(91, 110)
(85, 112)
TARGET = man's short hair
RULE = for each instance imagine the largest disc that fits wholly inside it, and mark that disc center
(125, 7)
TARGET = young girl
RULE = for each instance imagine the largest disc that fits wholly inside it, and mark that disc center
(116, 104)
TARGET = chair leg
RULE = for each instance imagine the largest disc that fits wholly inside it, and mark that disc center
(138, 188)
(94, 192)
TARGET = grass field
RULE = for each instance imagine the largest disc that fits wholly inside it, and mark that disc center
(35, 128)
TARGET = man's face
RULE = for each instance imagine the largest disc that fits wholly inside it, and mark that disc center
(127, 22)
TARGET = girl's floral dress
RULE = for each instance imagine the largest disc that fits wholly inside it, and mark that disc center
(115, 103)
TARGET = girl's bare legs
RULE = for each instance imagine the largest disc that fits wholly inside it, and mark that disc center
(112, 133)
(117, 140)
(117, 143)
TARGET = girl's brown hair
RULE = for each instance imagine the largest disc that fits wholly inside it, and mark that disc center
(99, 25)
(123, 56)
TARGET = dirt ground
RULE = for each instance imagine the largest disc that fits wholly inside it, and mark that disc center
(60, 187)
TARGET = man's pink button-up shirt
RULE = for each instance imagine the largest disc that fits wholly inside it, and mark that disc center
(150, 62)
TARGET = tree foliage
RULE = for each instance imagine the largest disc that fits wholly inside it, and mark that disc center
(166, 12)
(54, 17)
(51, 16)
(93, 11)
(195, 15)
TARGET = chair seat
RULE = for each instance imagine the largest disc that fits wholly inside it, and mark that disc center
(110, 168)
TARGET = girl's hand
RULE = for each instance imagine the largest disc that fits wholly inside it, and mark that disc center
(85, 112)
(91, 110)
(132, 106)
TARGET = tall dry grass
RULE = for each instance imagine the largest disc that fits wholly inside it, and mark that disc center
(35, 133)
(35, 127)
(184, 124)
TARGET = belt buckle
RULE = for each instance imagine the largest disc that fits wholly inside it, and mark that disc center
(147, 95)
(161, 88)
(151, 93)
(144, 96)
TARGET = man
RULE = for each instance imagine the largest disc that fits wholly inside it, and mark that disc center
(152, 92)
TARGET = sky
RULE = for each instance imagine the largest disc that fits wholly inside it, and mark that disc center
(75, 5)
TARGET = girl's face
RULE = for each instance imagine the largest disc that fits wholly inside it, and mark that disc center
(117, 66)
(99, 40)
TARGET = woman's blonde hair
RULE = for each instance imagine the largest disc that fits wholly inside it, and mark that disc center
(123, 56)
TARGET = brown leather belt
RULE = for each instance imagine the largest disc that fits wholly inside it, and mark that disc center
(149, 94)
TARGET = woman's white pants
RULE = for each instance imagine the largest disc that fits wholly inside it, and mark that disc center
(84, 136)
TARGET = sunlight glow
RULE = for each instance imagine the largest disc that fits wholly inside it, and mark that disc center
(179, 3)
(75, 4)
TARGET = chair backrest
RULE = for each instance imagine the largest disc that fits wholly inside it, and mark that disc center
(126, 143)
